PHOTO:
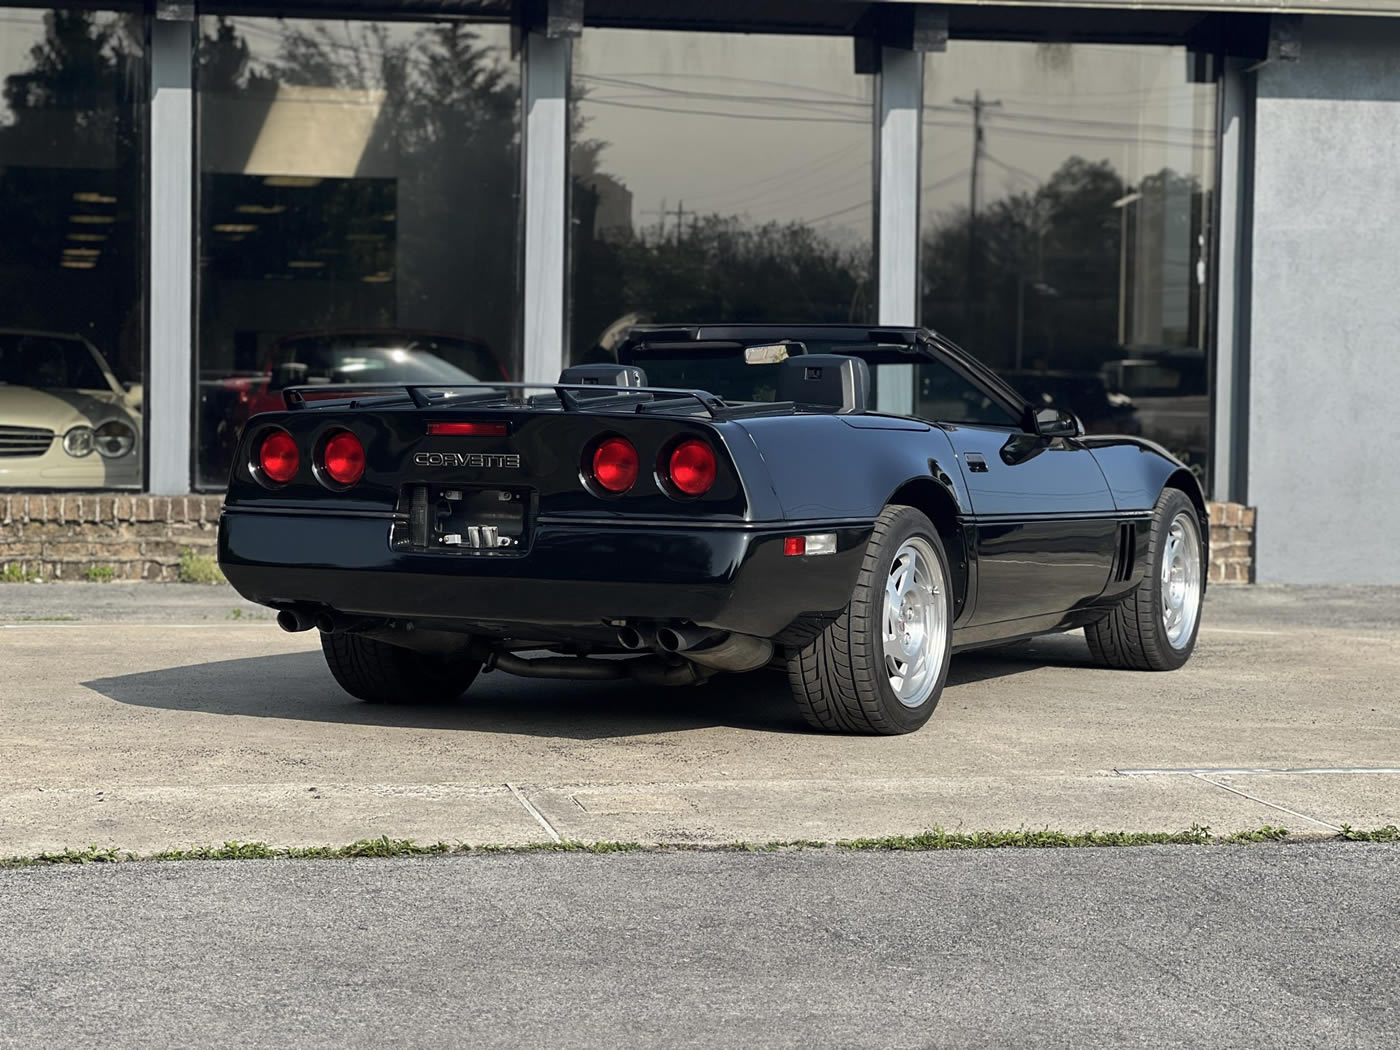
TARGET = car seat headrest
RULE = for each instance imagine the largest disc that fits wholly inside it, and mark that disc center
(836, 380)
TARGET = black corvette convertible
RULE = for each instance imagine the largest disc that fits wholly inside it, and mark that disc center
(851, 504)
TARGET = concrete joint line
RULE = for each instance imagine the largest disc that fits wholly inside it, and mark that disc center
(530, 808)
(1219, 771)
(1262, 802)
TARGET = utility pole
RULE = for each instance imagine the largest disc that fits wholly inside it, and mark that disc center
(661, 220)
(680, 218)
(978, 104)
(662, 215)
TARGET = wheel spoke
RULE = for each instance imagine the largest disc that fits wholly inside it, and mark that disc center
(893, 652)
(914, 590)
(1181, 579)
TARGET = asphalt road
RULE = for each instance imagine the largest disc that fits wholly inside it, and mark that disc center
(148, 716)
(1260, 946)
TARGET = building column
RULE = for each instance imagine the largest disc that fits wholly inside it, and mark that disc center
(169, 379)
(1230, 387)
(546, 174)
(899, 94)
(898, 98)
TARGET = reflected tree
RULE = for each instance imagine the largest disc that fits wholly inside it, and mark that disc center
(447, 132)
(70, 146)
(1056, 265)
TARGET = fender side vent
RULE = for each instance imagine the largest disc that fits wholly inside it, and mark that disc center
(1127, 551)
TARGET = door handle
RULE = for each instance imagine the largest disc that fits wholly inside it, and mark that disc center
(975, 463)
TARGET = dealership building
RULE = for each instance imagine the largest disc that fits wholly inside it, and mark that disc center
(1180, 219)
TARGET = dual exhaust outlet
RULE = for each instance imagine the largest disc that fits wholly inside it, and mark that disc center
(293, 620)
(718, 649)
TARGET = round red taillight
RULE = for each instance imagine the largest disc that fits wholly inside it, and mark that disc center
(692, 468)
(615, 465)
(344, 458)
(278, 458)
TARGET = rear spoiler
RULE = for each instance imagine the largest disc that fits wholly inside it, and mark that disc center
(570, 397)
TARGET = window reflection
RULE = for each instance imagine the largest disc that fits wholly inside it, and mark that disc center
(358, 210)
(717, 177)
(1068, 247)
(71, 321)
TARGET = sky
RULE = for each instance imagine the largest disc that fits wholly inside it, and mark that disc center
(780, 128)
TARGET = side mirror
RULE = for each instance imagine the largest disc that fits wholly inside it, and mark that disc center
(1057, 423)
(135, 393)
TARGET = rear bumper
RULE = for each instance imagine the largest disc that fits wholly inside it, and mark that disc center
(574, 576)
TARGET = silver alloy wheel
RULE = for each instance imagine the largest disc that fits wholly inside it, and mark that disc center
(1181, 579)
(914, 622)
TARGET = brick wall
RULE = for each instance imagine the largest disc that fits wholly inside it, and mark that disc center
(62, 537)
(1231, 543)
(72, 536)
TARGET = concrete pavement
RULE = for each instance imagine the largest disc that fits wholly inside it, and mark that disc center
(170, 716)
(1276, 947)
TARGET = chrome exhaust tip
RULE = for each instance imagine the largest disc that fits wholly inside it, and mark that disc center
(295, 620)
(682, 639)
(637, 638)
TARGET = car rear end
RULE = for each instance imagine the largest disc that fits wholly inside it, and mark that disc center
(520, 522)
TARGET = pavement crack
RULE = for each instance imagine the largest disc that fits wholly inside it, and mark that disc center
(1264, 802)
(530, 808)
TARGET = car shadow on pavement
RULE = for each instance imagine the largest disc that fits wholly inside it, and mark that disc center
(298, 686)
(1050, 650)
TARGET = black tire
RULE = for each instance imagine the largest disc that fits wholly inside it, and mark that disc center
(1132, 635)
(839, 678)
(390, 674)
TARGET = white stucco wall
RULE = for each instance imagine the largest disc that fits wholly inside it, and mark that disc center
(1324, 412)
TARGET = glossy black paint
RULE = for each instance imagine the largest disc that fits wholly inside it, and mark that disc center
(1044, 538)
(576, 575)
(1040, 529)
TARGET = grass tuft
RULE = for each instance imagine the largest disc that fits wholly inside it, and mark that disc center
(1267, 833)
(937, 839)
(199, 568)
(90, 855)
(1389, 833)
(99, 573)
(13, 572)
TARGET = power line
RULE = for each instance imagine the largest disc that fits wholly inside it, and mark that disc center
(835, 95)
(978, 106)
(803, 169)
(586, 101)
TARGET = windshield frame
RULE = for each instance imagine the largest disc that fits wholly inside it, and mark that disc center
(859, 341)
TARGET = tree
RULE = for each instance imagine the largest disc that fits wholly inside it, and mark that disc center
(70, 145)
(1053, 264)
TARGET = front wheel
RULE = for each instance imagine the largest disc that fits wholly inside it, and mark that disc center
(1154, 628)
(390, 674)
(879, 667)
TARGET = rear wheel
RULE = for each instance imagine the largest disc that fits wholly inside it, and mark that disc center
(879, 667)
(390, 674)
(1154, 628)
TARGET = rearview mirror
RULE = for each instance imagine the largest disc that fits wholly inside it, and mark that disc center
(1057, 423)
(289, 373)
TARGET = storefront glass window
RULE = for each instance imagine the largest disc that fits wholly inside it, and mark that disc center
(717, 177)
(72, 85)
(1066, 197)
(358, 210)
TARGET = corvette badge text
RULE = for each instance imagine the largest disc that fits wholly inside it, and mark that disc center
(470, 459)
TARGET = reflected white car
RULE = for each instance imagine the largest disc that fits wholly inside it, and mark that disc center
(65, 421)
